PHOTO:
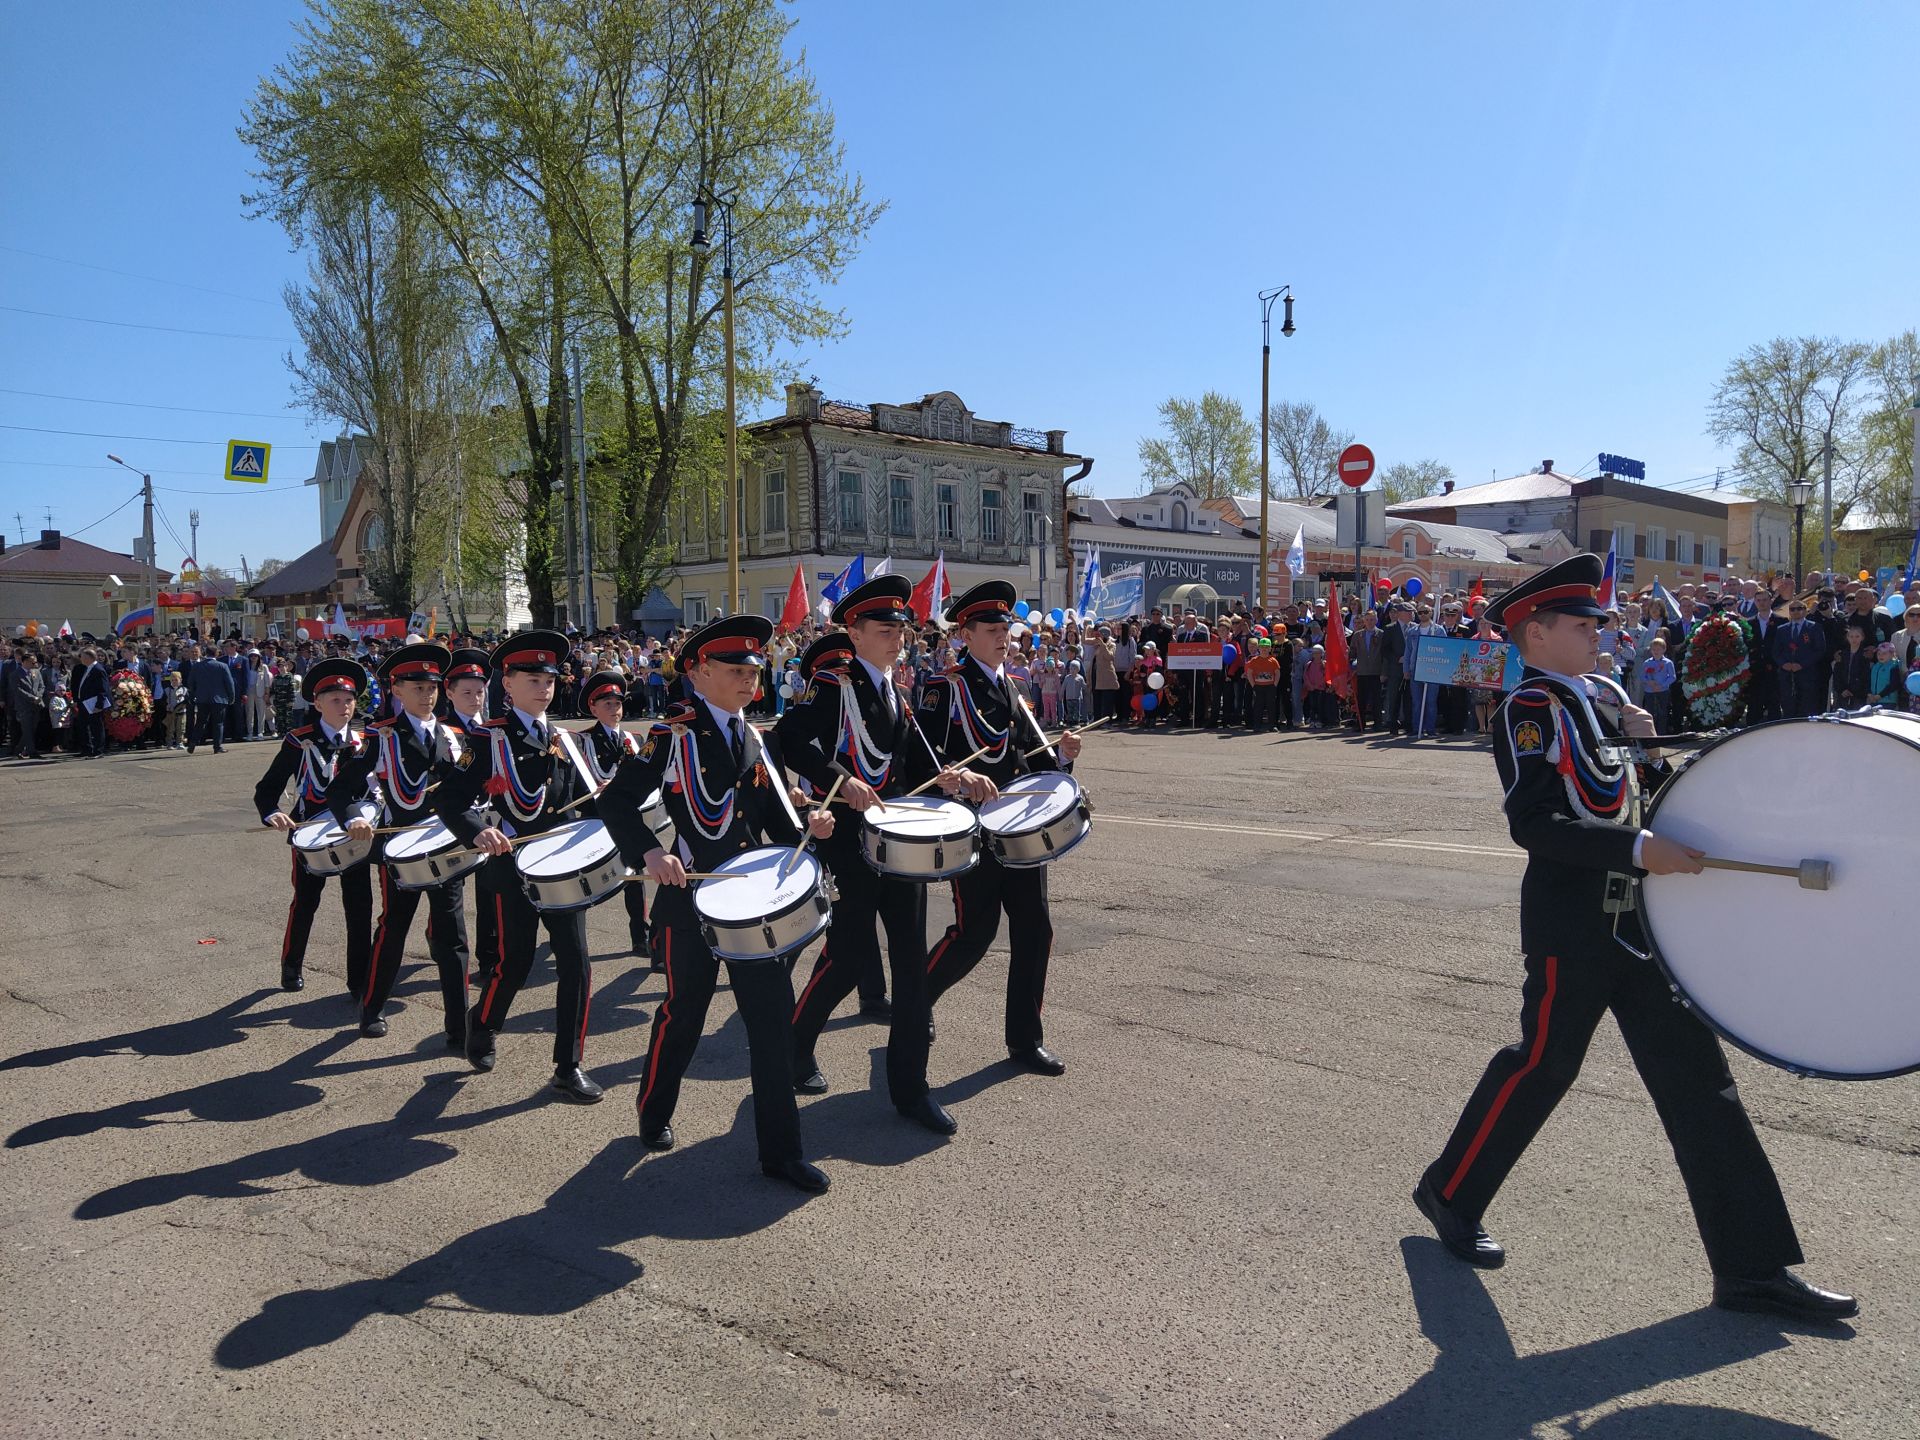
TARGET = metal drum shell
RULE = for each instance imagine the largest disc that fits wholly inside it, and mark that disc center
(790, 927)
(337, 854)
(920, 858)
(573, 887)
(1041, 844)
(424, 869)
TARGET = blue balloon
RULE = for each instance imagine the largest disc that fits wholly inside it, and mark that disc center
(1022, 609)
(1413, 587)
(1151, 700)
(1057, 616)
(1229, 654)
(1896, 605)
(1913, 682)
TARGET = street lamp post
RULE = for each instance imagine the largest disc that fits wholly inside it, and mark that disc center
(1267, 297)
(1799, 492)
(146, 491)
(700, 246)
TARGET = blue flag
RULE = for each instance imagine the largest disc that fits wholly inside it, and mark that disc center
(1672, 606)
(1089, 582)
(843, 584)
(1913, 561)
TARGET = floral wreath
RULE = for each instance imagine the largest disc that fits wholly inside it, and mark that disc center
(1717, 670)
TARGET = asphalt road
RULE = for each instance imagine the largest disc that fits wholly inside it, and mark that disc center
(1281, 964)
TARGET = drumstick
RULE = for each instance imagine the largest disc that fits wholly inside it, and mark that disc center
(846, 774)
(929, 784)
(1812, 874)
(805, 834)
(1028, 755)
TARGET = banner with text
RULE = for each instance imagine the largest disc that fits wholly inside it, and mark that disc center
(1476, 664)
(1194, 654)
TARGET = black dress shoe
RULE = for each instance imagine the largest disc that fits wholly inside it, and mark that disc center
(292, 979)
(1463, 1239)
(932, 1034)
(881, 1009)
(812, 1082)
(799, 1174)
(928, 1112)
(1783, 1293)
(1040, 1060)
(479, 1046)
(373, 1029)
(576, 1085)
(661, 1139)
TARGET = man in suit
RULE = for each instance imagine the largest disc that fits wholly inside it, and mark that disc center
(210, 691)
(1797, 653)
(1156, 631)
(236, 663)
(1367, 650)
(26, 700)
(1198, 684)
(1395, 648)
(90, 704)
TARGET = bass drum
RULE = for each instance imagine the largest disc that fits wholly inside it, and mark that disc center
(1819, 982)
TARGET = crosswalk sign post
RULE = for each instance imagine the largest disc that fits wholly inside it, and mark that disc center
(247, 460)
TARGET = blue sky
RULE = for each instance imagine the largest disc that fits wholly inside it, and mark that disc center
(1516, 231)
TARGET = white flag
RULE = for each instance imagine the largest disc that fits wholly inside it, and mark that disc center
(885, 567)
(1297, 553)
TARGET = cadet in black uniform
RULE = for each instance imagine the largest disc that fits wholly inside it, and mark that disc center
(725, 795)
(608, 747)
(307, 757)
(517, 783)
(464, 704)
(1573, 803)
(404, 753)
(857, 725)
(972, 705)
(834, 651)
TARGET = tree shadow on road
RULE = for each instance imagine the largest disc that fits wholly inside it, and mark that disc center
(1479, 1386)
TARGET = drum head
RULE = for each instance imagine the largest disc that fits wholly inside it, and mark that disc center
(922, 818)
(749, 887)
(566, 849)
(424, 840)
(317, 834)
(1030, 802)
(1817, 981)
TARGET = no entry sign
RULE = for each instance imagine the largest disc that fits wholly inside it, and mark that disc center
(1356, 466)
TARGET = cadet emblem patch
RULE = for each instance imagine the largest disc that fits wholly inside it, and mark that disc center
(1526, 739)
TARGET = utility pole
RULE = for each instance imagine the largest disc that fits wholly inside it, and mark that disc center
(193, 528)
(730, 510)
(566, 503)
(589, 622)
(1913, 499)
(152, 586)
(1267, 297)
(1826, 509)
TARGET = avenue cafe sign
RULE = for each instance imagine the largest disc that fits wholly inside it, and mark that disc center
(1230, 578)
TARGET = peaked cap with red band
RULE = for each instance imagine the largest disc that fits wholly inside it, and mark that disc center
(603, 683)
(730, 640)
(1570, 588)
(420, 661)
(468, 665)
(989, 602)
(337, 673)
(882, 598)
(541, 652)
(829, 652)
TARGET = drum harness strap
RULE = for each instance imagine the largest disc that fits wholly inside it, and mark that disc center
(869, 762)
(979, 732)
(316, 770)
(404, 790)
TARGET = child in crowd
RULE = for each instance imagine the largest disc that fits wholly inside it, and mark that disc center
(1049, 693)
(1318, 696)
(1073, 694)
(1656, 680)
(1887, 681)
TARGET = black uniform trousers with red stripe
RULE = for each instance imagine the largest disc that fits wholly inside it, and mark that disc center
(853, 949)
(504, 968)
(763, 994)
(356, 905)
(1736, 1199)
(979, 897)
(446, 942)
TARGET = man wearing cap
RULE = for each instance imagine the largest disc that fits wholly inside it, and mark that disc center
(607, 748)
(523, 780)
(1573, 802)
(402, 756)
(724, 794)
(308, 756)
(857, 727)
(975, 708)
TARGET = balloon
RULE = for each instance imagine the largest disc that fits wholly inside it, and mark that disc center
(1149, 702)
(1913, 682)
(1896, 605)
(1139, 704)
(1016, 630)
(1865, 576)
(1057, 616)
(786, 690)
(1021, 608)
(1260, 630)
(1383, 584)
(33, 629)
(1156, 680)
(1413, 587)
(1073, 616)
(1229, 654)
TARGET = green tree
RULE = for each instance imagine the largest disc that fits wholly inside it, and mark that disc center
(1307, 448)
(1413, 480)
(1780, 404)
(1886, 425)
(1205, 444)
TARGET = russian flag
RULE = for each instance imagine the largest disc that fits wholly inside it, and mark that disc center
(133, 619)
(848, 580)
(1605, 594)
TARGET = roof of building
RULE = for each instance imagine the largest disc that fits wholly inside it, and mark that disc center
(1513, 491)
(308, 574)
(57, 554)
(1466, 542)
(1534, 539)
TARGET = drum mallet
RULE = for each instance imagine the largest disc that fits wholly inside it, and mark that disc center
(805, 835)
(1812, 874)
(1081, 730)
(929, 784)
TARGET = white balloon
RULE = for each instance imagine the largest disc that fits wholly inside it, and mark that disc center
(786, 691)
(1156, 680)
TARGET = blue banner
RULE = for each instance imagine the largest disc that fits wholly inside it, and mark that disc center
(1476, 664)
(1120, 593)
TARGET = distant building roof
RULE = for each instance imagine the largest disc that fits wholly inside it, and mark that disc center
(1532, 486)
(57, 554)
(1534, 539)
(308, 574)
(1466, 542)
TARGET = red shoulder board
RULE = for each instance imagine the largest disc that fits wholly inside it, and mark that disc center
(680, 712)
(499, 724)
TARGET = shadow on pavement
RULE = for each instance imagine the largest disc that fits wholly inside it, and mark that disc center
(1478, 1386)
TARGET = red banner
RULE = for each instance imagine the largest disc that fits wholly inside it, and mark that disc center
(1194, 654)
(182, 600)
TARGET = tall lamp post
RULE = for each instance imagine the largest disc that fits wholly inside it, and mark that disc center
(1799, 493)
(146, 537)
(1267, 297)
(700, 246)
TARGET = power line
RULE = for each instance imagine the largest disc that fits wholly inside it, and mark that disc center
(133, 325)
(196, 474)
(108, 435)
(143, 404)
(132, 275)
(106, 517)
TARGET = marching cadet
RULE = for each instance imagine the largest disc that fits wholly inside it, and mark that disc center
(834, 651)
(514, 784)
(1573, 803)
(609, 747)
(307, 755)
(465, 705)
(404, 754)
(971, 706)
(724, 795)
(857, 727)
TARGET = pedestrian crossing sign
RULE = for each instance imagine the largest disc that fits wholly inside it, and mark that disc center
(247, 460)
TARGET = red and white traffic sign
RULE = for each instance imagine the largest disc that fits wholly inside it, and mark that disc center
(1356, 465)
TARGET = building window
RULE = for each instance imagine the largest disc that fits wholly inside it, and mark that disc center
(1683, 548)
(1030, 516)
(853, 502)
(1406, 546)
(696, 608)
(990, 506)
(772, 602)
(1623, 538)
(947, 421)
(1711, 552)
(1179, 521)
(900, 504)
(773, 502)
(1657, 543)
(946, 510)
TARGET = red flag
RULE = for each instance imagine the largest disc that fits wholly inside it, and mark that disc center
(931, 593)
(1339, 668)
(1475, 593)
(794, 613)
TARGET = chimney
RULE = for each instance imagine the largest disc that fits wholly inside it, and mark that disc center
(1546, 467)
(803, 400)
(49, 540)
(1446, 487)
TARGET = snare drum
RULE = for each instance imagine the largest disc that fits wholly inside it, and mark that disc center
(325, 848)
(653, 814)
(921, 838)
(570, 867)
(428, 855)
(1819, 982)
(1036, 819)
(763, 904)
